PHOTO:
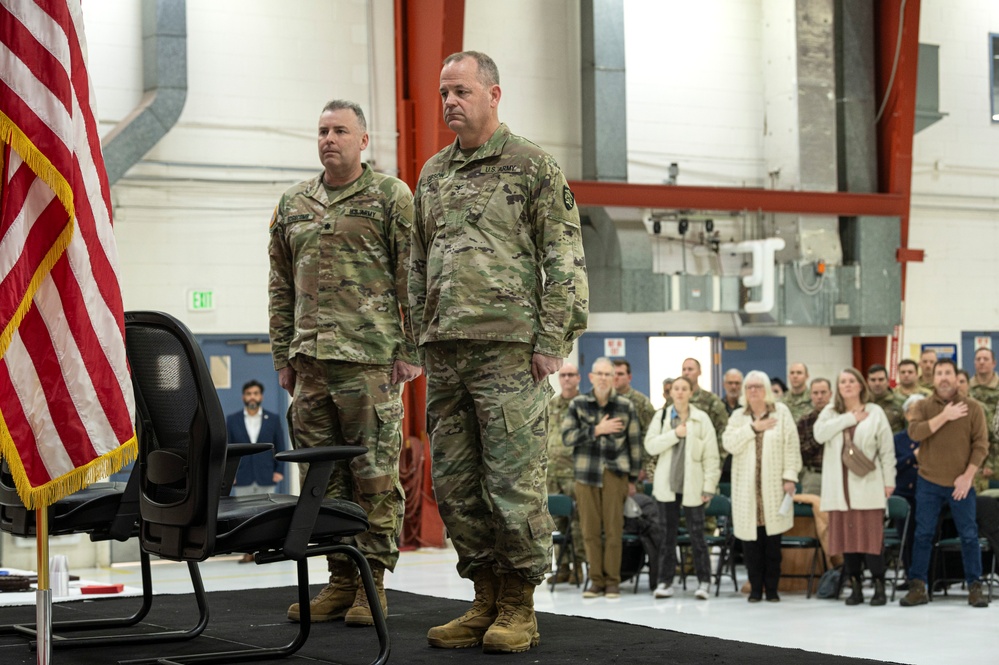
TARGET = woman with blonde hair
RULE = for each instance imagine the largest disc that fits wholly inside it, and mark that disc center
(858, 476)
(687, 473)
(766, 459)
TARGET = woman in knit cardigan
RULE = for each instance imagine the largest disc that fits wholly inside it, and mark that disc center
(766, 459)
(687, 472)
(855, 503)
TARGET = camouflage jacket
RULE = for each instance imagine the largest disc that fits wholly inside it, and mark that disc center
(891, 403)
(339, 272)
(799, 405)
(645, 411)
(988, 395)
(712, 405)
(917, 390)
(497, 249)
(559, 455)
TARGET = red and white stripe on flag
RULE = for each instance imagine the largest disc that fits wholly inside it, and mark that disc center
(67, 411)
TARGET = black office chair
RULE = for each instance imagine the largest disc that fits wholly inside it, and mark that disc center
(561, 505)
(104, 511)
(182, 461)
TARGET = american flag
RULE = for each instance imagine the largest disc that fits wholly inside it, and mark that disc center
(67, 410)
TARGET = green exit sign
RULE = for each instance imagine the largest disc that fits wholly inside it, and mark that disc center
(200, 301)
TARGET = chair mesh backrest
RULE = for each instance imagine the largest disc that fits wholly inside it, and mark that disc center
(182, 436)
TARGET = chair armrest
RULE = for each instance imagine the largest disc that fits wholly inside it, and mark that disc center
(321, 461)
(235, 452)
(320, 454)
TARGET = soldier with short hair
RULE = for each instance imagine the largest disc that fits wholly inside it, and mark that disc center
(882, 395)
(706, 401)
(798, 398)
(908, 379)
(643, 406)
(339, 257)
(562, 474)
(984, 386)
(927, 359)
(498, 291)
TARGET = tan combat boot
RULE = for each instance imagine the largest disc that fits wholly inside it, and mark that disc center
(468, 629)
(360, 612)
(336, 597)
(516, 627)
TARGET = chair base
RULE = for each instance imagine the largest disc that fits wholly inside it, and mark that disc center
(62, 642)
(305, 617)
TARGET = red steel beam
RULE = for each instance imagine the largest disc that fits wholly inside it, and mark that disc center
(895, 131)
(737, 199)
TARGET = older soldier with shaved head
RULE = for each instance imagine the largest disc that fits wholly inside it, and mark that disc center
(498, 290)
(561, 475)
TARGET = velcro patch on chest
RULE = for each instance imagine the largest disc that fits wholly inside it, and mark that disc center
(300, 218)
(361, 212)
(434, 177)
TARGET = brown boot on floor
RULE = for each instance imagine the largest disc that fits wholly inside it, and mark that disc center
(468, 629)
(976, 596)
(336, 597)
(516, 627)
(360, 612)
(916, 596)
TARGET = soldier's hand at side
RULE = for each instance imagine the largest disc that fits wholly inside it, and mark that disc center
(542, 366)
(402, 371)
(954, 411)
(286, 379)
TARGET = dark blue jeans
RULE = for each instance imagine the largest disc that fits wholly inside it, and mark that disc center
(930, 498)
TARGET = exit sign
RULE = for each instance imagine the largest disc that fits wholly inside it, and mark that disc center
(200, 301)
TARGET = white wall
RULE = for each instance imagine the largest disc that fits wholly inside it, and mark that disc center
(955, 183)
(194, 213)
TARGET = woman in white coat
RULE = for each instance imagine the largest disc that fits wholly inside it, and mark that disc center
(766, 459)
(856, 503)
(687, 472)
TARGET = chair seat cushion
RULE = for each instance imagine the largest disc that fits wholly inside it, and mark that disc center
(89, 510)
(261, 521)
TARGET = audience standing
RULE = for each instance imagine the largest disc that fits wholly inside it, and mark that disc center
(603, 429)
(908, 379)
(811, 450)
(705, 400)
(953, 445)
(856, 481)
(885, 397)
(684, 440)
(561, 474)
(797, 397)
(732, 382)
(766, 461)
(984, 386)
(643, 407)
(926, 361)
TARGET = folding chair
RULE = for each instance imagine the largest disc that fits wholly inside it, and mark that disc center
(894, 539)
(561, 505)
(183, 466)
(805, 543)
(948, 542)
(721, 509)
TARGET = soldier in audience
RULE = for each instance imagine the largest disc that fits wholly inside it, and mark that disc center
(561, 475)
(926, 361)
(644, 408)
(667, 386)
(908, 379)
(984, 386)
(885, 397)
(797, 398)
(732, 381)
(706, 401)
(820, 391)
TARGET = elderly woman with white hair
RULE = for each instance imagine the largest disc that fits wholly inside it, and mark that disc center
(766, 460)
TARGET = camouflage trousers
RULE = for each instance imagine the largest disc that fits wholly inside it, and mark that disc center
(351, 404)
(487, 421)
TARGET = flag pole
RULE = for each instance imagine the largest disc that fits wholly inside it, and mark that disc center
(43, 596)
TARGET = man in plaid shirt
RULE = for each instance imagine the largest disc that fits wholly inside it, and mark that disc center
(605, 433)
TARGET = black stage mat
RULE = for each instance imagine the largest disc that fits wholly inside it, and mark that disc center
(257, 617)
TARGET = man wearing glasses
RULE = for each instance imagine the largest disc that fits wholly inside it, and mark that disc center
(561, 477)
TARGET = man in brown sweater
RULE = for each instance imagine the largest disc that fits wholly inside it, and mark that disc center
(954, 443)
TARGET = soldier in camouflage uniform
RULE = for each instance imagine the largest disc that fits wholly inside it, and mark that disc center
(927, 359)
(984, 386)
(797, 398)
(339, 257)
(908, 380)
(882, 395)
(707, 402)
(562, 476)
(644, 408)
(498, 293)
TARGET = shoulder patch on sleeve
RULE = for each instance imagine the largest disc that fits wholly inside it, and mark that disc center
(567, 198)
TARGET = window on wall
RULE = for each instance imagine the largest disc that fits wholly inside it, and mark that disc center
(994, 74)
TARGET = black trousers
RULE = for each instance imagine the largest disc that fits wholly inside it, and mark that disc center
(763, 557)
(669, 515)
(853, 563)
